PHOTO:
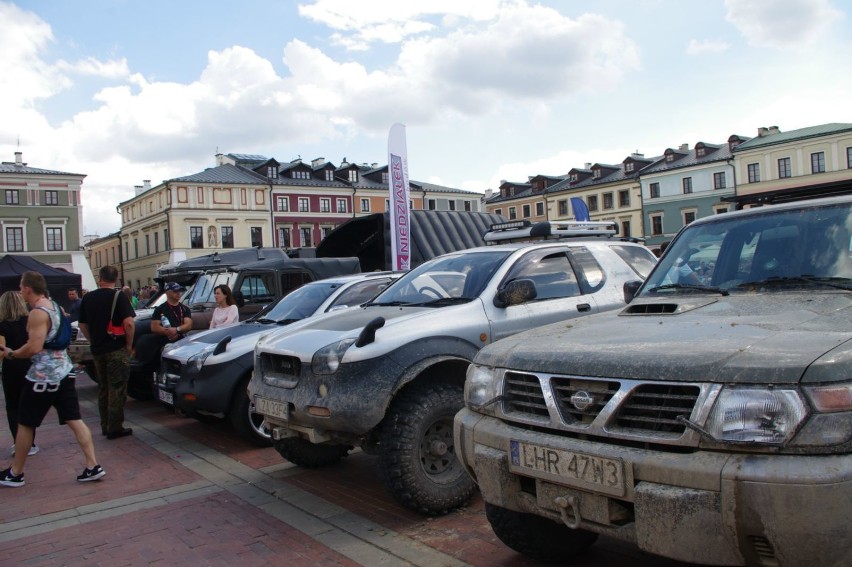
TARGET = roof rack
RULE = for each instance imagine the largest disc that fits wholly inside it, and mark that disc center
(524, 230)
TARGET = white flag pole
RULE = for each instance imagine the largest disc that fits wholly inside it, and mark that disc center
(399, 199)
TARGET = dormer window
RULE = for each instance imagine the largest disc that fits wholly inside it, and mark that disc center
(300, 175)
(272, 172)
(353, 175)
(384, 178)
(669, 157)
(329, 175)
(700, 152)
(629, 166)
(596, 173)
(573, 178)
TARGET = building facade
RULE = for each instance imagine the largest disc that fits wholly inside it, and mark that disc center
(42, 216)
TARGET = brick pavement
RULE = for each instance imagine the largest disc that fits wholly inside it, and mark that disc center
(181, 492)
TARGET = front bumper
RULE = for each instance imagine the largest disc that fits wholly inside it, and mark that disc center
(210, 390)
(704, 507)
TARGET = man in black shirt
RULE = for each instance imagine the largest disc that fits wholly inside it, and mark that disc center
(111, 348)
(176, 316)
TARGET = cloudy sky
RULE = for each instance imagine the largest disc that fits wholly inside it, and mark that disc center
(123, 90)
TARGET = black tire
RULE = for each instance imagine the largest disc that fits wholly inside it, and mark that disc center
(309, 455)
(247, 423)
(419, 464)
(537, 537)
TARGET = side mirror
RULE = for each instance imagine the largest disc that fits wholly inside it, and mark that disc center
(629, 289)
(515, 292)
(239, 299)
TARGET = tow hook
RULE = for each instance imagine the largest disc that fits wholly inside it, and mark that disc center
(565, 502)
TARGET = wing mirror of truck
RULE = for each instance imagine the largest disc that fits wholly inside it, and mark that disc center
(239, 299)
(630, 288)
(515, 292)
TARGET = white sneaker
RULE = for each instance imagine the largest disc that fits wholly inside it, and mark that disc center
(33, 450)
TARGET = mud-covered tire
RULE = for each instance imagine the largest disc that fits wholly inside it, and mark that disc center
(305, 454)
(418, 460)
(245, 422)
(537, 537)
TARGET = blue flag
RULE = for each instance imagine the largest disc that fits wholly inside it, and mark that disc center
(581, 211)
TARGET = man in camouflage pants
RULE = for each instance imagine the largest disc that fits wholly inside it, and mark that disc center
(112, 344)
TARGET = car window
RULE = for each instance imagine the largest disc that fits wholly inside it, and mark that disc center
(639, 258)
(258, 288)
(551, 272)
(291, 280)
(359, 293)
(592, 275)
(300, 303)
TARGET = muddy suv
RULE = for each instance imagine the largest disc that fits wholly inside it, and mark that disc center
(708, 421)
(387, 376)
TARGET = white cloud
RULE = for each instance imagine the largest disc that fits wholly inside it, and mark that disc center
(782, 23)
(92, 67)
(697, 47)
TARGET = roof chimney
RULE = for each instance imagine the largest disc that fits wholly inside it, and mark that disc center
(316, 162)
(219, 159)
(588, 165)
(19, 158)
(137, 189)
(146, 184)
(764, 131)
(684, 147)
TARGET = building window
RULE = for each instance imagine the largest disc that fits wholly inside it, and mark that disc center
(272, 172)
(305, 234)
(325, 231)
(387, 204)
(126, 250)
(784, 168)
(592, 202)
(51, 197)
(848, 158)
(657, 225)
(608, 201)
(687, 185)
(196, 237)
(304, 205)
(325, 205)
(300, 174)
(284, 237)
(498, 212)
(624, 198)
(167, 244)
(719, 180)
(156, 242)
(12, 197)
(563, 207)
(468, 206)
(539, 209)
(256, 236)
(818, 162)
(147, 245)
(135, 247)
(353, 176)
(365, 205)
(688, 217)
(526, 211)
(341, 205)
(384, 178)
(720, 210)
(655, 190)
(753, 172)
(227, 237)
(625, 228)
(513, 214)
(329, 175)
(14, 239)
(629, 167)
(452, 204)
(432, 204)
(283, 203)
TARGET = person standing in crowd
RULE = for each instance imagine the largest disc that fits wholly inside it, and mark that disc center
(48, 384)
(13, 334)
(75, 301)
(172, 319)
(111, 342)
(226, 312)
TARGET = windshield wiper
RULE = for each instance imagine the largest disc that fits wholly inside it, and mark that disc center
(783, 280)
(390, 303)
(265, 321)
(287, 321)
(441, 302)
(692, 287)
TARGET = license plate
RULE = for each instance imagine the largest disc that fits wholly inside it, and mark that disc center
(167, 397)
(568, 467)
(273, 408)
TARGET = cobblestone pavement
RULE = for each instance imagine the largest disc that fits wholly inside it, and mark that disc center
(182, 492)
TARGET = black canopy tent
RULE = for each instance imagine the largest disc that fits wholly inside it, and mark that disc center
(58, 281)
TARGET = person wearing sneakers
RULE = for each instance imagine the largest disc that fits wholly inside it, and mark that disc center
(47, 384)
(13, 334)
(111, 341)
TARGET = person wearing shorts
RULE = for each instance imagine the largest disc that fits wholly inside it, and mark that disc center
(47, 384)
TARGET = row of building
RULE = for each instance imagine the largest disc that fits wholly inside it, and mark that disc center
(654, 197)
(252, 200)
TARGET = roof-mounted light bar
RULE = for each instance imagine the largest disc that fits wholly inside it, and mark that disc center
(525, 230)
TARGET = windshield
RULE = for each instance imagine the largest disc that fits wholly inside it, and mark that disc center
(202, 291)
(801, 247)
(457, 276)
(300, 303)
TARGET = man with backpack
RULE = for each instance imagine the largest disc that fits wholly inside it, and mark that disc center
(106, 320)
(48, 383)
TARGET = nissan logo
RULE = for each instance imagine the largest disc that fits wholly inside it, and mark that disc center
(582, 400)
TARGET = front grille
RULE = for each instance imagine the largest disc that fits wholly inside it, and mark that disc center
(171, 366)
(580, 401)
(656, 407)
(522, 394)
(276, 365)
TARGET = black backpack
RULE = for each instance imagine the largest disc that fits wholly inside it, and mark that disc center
(63, 334)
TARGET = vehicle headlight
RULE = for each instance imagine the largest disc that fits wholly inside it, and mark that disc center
(196, 361)
(482, 388)
(327, 359)
(756, 415)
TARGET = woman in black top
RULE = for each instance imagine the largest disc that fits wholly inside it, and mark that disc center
(13, 334)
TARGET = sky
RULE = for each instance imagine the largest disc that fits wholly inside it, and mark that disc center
(488, 90)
